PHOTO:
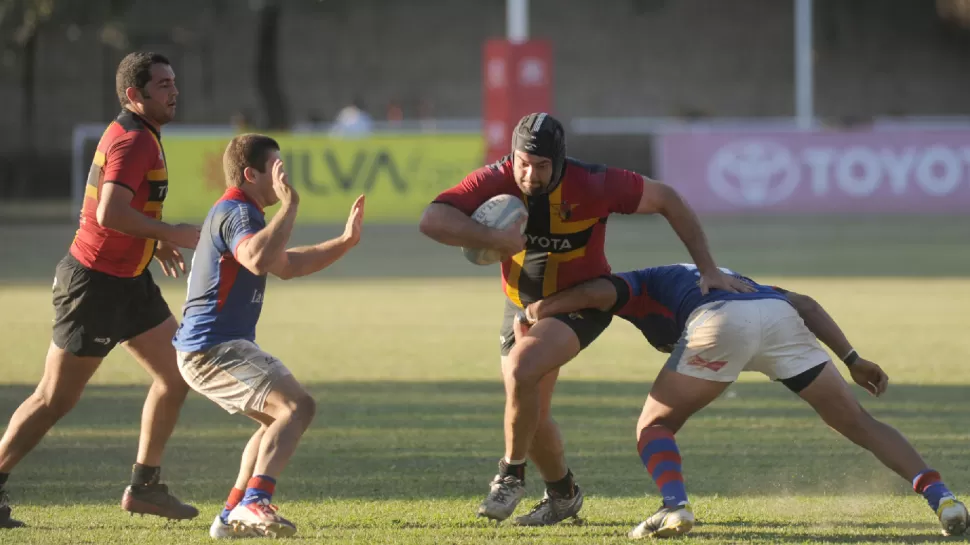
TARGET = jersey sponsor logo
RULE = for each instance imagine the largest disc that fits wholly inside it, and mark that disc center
(564, 210)
(549, 243)
(257, 297)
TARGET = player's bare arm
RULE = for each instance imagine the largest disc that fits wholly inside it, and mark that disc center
(260, 252)
(865, 373)
(599, 294)
(115, 212)
(660, 198)
(306, 260)
(446, 224)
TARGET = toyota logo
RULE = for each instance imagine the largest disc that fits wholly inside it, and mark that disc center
(753, 173)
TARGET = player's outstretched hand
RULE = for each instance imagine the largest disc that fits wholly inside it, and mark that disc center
(170, 259)
(281, 184)
(355, 222)
(511, 240)
(870, 376)
(722, 281)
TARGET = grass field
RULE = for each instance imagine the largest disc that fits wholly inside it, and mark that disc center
(399, 346)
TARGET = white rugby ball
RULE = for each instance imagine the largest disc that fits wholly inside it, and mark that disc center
(499, 212)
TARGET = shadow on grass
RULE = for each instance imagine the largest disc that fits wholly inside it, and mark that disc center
(426, 440)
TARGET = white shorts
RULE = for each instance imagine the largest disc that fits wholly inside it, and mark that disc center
(724, 338)
(236, 375)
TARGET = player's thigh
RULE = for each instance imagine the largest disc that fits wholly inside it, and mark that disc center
(831, 397)
(236, 375)
(789, 352)
(718, 343)
(553, 342)
(154, 351)
(65, 376)
(89, 309)
(675, 397)
(150, 327)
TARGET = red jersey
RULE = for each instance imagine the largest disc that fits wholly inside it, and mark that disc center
(129, 154)
(566, 231)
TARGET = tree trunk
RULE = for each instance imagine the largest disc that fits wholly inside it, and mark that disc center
(28, 115)
(267, 69)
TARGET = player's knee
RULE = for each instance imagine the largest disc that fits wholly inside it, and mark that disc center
(171, 387)
(847, 417)
(525, 366)
(669, 422)
(303, 408)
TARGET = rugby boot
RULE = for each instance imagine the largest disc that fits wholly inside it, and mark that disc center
(259, 518)
(953, 516)
(5, 520)
(505, 493)
(155, 499)
(666, 522)
(553, 509)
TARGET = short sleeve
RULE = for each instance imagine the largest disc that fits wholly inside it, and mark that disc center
(478, 187)
(239, 223)
(129, 158)
(624, 189)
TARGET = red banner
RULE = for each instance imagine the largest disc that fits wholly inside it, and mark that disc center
(517, 80)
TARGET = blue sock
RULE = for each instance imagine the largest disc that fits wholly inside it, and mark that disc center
(259, 489)
(930, 485)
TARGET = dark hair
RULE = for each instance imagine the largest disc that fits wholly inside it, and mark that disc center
(246, 150)
(135, 70)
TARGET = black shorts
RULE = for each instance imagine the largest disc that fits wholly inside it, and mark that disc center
(587, 324)
(94, 311)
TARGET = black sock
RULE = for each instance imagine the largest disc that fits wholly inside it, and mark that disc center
(515, 470)
(563, 488)
(141, 475)
(3, 479)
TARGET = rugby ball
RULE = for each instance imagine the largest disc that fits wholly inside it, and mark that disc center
(499, 212)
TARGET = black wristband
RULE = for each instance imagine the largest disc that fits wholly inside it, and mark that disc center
(850, 358)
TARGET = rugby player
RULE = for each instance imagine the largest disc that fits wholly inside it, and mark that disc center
(568, 203)
(711, 339)
(216, 347)
(104, 294)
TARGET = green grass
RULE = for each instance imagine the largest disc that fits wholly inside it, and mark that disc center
(408, 432)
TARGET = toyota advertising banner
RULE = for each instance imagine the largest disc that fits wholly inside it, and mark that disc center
(883, 171)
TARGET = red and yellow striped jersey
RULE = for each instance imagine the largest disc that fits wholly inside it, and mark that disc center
(129, 154)
(566, 231)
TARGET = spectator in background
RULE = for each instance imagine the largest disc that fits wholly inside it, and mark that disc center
(395, 115)
(353, 120)
(241, 121)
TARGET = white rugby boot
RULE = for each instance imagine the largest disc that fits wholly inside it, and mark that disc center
(666, 522)
(504, 495)
(953, 516)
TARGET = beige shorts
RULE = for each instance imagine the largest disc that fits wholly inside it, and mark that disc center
(236, 375)
(724, 338)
